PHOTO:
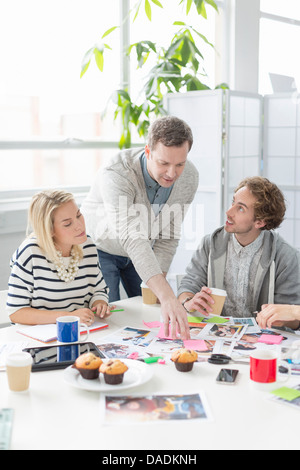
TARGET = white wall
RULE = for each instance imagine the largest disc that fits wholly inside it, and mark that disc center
(244, 37)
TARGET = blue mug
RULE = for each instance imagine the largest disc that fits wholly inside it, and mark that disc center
(68, 329)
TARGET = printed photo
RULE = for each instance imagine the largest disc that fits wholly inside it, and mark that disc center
(138, 409)
(252, 326)
(112, 350)
(225, 331)
(164, 345)
(132, 337)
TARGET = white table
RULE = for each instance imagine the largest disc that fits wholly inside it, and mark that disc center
(55, 415)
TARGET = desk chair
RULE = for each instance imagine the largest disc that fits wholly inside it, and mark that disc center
(4, 318)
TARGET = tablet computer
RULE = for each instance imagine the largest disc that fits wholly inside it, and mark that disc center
(59, 356)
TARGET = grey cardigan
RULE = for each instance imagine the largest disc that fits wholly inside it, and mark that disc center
(277, 279)
(121, 221)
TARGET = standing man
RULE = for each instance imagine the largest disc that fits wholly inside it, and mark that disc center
(134, 213)
(245, 257)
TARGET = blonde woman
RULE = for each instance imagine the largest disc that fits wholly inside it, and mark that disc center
(56, 271)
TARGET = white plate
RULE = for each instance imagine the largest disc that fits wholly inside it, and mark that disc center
(138, 373)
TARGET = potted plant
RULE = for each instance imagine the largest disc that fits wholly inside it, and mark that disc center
(178, 68)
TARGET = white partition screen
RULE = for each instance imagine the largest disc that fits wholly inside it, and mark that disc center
(282, 156)
(202, 110)
(243, 139)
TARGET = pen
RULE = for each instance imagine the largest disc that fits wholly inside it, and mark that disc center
(120, 310)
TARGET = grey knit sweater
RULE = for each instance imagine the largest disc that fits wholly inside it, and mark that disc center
(277, 279)
(121, 221)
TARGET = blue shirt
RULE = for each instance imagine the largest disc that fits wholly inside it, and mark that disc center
(157, 194)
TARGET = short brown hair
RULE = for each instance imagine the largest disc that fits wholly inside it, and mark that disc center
(270, 203)
(170, 131)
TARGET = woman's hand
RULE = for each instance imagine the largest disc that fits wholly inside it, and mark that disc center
(101, 309)
(86, 315)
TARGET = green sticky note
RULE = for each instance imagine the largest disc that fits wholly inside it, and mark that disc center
(192, 319)
(286, 393)
(217, 320)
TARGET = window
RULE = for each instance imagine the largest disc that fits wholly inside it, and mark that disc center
(51, 128)
(279, 36)
(47, 111)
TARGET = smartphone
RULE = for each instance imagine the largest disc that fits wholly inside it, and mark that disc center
(227, 376)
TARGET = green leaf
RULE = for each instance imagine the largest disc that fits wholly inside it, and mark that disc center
(203, 37)
(117, 95)
(202, 10)
(157, 3)
(223, 86)
(86, 61)
(143, 49)
(122, 141)
(146, 108)
(120, 96)
(137, 11)
(212, 4)
(188, 6)
(84, 68)
(174, 47)
(148, 9)
(150, 87)
(200, 5)
(110, 30)
(125, 95)
(99, 58)
(185, 51)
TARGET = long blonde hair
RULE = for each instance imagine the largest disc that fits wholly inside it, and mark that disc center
(41, 217)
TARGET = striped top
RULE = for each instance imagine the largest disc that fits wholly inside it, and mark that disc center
(34, 282)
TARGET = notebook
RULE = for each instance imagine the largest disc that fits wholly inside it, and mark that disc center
(47, 333)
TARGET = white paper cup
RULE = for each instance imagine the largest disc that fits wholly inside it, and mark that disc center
(219, 297)
(18, 369)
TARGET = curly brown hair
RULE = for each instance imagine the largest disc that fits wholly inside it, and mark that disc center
(270, 205)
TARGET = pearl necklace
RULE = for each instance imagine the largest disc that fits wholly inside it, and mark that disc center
(67, 274)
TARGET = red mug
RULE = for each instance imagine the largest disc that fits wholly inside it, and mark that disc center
(264, 369)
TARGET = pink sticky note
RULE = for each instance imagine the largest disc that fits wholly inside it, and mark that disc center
(270, 339)
(153, 324)
(133, 355)
(198, 344)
